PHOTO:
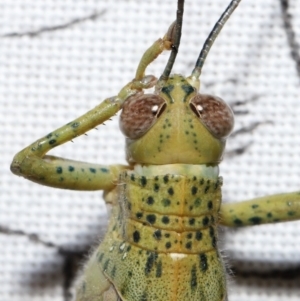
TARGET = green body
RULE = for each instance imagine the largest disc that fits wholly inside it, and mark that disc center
(161, 242)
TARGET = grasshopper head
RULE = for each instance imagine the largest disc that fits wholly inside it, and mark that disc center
(176, 124)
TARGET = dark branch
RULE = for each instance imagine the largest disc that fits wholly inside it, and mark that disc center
(72, 258)
(237, 151)
(44, 29)
(249, 128)
(243, 269)
(291, 37)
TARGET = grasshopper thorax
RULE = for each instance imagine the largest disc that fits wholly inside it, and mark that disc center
(175, 124)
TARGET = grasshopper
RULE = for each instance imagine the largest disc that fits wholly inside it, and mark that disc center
(162, 241)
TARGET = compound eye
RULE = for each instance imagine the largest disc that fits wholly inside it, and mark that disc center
(214, 113)
(139, 113)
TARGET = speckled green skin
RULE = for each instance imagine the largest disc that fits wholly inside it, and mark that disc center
(162, 241)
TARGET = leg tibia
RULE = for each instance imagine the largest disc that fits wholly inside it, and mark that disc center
(265, 210)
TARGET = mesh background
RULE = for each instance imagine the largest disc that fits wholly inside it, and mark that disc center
(49, 79)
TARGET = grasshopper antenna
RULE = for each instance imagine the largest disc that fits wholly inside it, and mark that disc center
(211, 38)
(176, 43)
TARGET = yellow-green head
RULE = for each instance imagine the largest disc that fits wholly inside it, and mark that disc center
(176, 124)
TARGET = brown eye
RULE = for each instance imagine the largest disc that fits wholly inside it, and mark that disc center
(215, 114)
(139, 114)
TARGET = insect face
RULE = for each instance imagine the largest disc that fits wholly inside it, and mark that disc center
(171, 126)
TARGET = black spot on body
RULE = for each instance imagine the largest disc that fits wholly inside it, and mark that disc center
(104, 169)
(189, 235)
(193, 278)
(139, 215)
(151, 218)
(150, 262)
(238, 222)
(123, 290)
(269, 215)
(105, 266)
(198, 235)
(167, 90)
(143, 181)
(59, 170)
(213, 242)
(166, 202)
(213, 237)
(255, 206)
(210, 205)
(206, 189)
(194, 190)
(168, 245)
(71, 168)
(136, 236)
(157, 234)
(49, 135)
(92, 170)
(158, 269)
(197, 202)
(217, 184)
(188, 245)
(132, 177)
(165, 219)
(75, 125)
(255, 220)
(52, 141)
(150, 200)
(205, 221)
(166, 179)
(188, 90)
(171, 191)
(192, 221)
(156, 187)
(211, 232)
(203, 262)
